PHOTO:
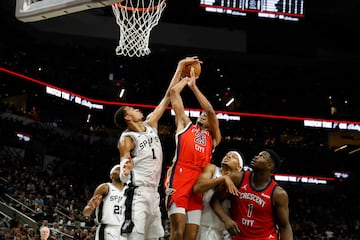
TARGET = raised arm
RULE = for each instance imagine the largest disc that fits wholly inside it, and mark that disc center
(207, 107)
(181, 119)
(154, 116)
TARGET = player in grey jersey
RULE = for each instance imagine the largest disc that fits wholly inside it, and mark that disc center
(211, 227)
(140, 148)
(108, 201)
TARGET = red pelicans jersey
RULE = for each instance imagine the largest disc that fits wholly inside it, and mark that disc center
(193, 151)
(253, 211)
(194, 146)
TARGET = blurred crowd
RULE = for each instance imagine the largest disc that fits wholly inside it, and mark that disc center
(54, 191)
(316, 213)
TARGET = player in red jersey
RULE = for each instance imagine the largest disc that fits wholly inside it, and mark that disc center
(194, 147)
(261, 210)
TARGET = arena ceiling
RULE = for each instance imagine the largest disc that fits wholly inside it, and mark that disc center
(269, 65)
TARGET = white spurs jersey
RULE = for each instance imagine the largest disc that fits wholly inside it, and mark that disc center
(208, 217)
(112, 207)
(147, 156)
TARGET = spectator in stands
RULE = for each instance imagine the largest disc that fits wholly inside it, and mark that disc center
(44, 233)
(31, 235)
(7, 235)
(54, 229)
(5, 222)
(18, 236)
(14, 221)
(45, 223)
(39, 200)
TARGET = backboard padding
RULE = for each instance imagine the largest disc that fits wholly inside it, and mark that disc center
(31, 11)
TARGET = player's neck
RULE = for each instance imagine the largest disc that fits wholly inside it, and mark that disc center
(225, 170)
(137, 127)
(260, 179)
(118, 185)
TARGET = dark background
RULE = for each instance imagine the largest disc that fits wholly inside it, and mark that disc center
(270, 65)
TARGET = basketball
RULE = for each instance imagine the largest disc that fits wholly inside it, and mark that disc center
(187, 69)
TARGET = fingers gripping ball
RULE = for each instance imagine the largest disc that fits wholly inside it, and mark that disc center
(197, 68)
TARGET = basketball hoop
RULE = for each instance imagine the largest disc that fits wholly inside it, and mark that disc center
(136, 19)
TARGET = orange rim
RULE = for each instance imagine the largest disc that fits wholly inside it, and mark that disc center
(118, 5)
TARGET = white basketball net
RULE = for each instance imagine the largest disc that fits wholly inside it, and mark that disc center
(136, 19)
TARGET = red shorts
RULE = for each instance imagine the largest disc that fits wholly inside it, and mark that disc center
(182, 180)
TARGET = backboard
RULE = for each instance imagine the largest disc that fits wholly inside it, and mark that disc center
(136, 18)
(37, 10)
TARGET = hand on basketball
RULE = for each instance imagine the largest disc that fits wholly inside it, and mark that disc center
(186, 64)
(189, 60)
(191, 81)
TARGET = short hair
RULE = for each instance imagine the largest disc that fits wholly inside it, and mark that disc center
(119, 116)
(275, 158)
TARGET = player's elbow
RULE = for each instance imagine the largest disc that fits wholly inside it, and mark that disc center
(86, 213)
(210, 111)
(197, 189)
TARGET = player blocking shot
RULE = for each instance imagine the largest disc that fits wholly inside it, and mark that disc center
(140, 148)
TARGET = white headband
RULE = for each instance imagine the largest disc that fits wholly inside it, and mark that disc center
(114, 168)
(241, 161)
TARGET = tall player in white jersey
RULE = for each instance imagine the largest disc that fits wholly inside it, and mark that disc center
(211, 227)
(108, 202)
(140, 148)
